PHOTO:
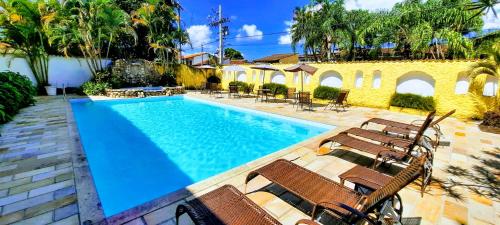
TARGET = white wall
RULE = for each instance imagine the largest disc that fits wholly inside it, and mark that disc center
(278, 78)
(242, 76)
(72, 72)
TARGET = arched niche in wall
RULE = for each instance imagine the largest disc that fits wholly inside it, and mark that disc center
(490, 86)
(278, 78)
(416, 82)
(377, 79)
(331, 79)
(358, 79)
(462, 85)
(242, 76)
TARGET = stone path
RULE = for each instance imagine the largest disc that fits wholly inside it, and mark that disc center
(36, 172)
(37, 180)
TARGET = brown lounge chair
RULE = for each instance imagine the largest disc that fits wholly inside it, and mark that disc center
(227, 206)
(340, 201)
(380, 151)
(394, 141)
(340, 101)
(405, 129)
(233, 90)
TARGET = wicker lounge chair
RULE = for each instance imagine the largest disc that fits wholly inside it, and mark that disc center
(340, 101)
(392, 141)
(382, 152)
(273, 95)
(404, 129)
(334, 198)
(226, 206)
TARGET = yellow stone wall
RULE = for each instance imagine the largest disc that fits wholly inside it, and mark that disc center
(191, 77)
(445, 73)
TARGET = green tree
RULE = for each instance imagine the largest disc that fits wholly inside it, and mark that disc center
(91, 26)
(232, 53)
(164, 33)
(22, 29)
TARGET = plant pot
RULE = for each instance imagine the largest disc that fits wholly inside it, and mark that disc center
(51, 90)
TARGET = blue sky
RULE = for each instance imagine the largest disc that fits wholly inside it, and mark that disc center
(267, 21)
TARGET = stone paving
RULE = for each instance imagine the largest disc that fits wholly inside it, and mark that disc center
(37, 182)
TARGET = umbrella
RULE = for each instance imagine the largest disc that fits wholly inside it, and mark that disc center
(302, 68)
(264, 67)
(234, 68)
(205, 67)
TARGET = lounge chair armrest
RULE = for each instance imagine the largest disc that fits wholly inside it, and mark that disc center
(307, 221)
(331, 205)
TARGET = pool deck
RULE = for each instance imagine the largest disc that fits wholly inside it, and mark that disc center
(44, 178)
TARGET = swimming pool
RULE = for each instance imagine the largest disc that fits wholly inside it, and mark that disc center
(142, 149)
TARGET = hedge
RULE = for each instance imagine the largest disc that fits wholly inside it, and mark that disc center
(282, 89)
(16, 92)
(324, 92)
(413, 101)
(242, 86)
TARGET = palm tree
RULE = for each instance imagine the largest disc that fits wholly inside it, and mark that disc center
(21, 28)
(483, 7)
(490, 67)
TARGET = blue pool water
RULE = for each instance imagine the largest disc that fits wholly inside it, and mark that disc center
(142, 149)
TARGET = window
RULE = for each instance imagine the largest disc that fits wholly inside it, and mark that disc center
(490, 86)
(462, 86)
(377, 79)
(358, 81)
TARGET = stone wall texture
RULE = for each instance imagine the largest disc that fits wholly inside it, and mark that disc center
(445, 74)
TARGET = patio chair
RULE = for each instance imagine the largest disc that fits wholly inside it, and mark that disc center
(273, 95)
(205, 88)
(333, 198)
(385, 153)
(304, 100)
(233, 90)
(340, 101)
(405, 129)
(227, 206)
(249, 90)
(215, 90)
(291, 94)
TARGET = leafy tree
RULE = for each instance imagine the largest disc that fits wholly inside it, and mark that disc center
(164, 34)
(91, 26)
(22, 28)
(232, 53)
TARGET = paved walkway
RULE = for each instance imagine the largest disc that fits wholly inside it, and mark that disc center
(37, 180)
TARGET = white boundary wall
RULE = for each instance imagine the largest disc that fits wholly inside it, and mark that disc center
(72, 72)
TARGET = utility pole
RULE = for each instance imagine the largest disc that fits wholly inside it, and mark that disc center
(218, 20)
(221, 47)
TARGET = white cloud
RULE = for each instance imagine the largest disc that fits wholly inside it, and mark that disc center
(287, 38)
(490, 21)
(371, 4)
(249, 32)
(199, 34)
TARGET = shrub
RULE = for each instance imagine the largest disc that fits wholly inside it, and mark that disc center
(413, 101)
(491, 119)
(282, 89)
(95, 88)
(324, 92)
(242, 86)
(16, 92)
